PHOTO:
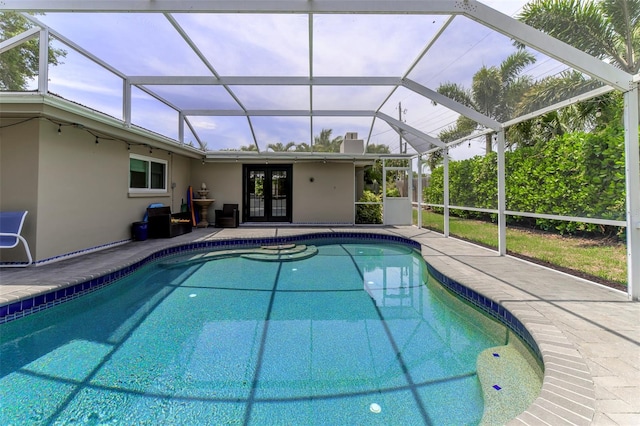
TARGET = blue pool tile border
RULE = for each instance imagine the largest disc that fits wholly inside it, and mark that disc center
(21, 308)
(490, 307)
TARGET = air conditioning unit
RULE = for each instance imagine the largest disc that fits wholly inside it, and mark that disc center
(351, 135)
(351, 144)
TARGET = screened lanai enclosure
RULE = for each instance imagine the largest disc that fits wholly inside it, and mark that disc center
(257, 81)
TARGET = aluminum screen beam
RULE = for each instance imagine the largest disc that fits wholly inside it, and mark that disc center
(19, 39)
(471, 8)
(550, 46)
(452, 105)
(244, 6)
(417, 60)
(76, 47)
(404, 127)
(264, 80)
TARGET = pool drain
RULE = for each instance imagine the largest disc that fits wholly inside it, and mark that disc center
(375, 408)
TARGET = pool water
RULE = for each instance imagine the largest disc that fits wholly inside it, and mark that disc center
(355, 334)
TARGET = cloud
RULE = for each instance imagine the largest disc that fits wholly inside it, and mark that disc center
(247, 44)
(353, 45)
(273, 97)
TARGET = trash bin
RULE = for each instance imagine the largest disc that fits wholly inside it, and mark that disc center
(139, 231)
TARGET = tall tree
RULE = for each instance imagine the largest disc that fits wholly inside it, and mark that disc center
(606, 29)
(494, 92)
(20, 64)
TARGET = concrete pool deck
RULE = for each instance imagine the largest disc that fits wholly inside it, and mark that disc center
(589, 335)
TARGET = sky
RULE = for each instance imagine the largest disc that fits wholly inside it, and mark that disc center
(277, 45)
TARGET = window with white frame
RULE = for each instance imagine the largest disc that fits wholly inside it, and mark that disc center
(147, 174)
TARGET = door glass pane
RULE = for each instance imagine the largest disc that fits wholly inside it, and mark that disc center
(256, 193)
(279, 193)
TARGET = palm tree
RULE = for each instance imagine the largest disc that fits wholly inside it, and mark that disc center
(582, 116)
(606, 29)
(324, 143)
(280, 147)
(378, 149)
(303, 147)
(494, 92)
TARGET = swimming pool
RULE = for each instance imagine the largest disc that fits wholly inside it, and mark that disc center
(329, 334)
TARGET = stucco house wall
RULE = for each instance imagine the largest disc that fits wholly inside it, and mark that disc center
(76, 191)
(19, 155)
(328, 199)
(224, 181)
(323, 193)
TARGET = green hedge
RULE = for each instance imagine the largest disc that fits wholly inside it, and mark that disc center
(577, 174)
(369, 213)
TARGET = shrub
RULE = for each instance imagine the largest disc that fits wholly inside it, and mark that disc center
(369, 213)
(576, 174)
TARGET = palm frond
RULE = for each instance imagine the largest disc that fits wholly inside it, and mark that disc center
(515, 63)
(606, 29)
(457, 93)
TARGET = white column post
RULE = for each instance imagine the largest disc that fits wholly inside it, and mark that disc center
(384, 189)
(181, 127)
(126, 102)
(419, 191)
(445, 164)
(502, 218)
(43, 62)
(632, 166)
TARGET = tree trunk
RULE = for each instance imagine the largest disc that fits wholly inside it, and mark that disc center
(488, 140)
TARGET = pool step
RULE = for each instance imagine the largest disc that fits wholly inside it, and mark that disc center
(281, 253)
(285, 254)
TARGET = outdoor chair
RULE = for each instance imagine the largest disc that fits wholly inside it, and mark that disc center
(228, 217)
(164, 224)
(10, 228)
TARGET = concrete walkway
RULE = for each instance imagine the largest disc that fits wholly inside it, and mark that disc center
(589, 335)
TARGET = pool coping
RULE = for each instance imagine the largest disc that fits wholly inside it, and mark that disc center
(568, 392)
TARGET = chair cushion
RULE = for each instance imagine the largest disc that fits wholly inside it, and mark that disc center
(227, 209)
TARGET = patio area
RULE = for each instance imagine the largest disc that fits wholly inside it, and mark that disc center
(589, 335)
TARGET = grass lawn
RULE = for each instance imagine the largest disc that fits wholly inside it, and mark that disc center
(600, 260)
